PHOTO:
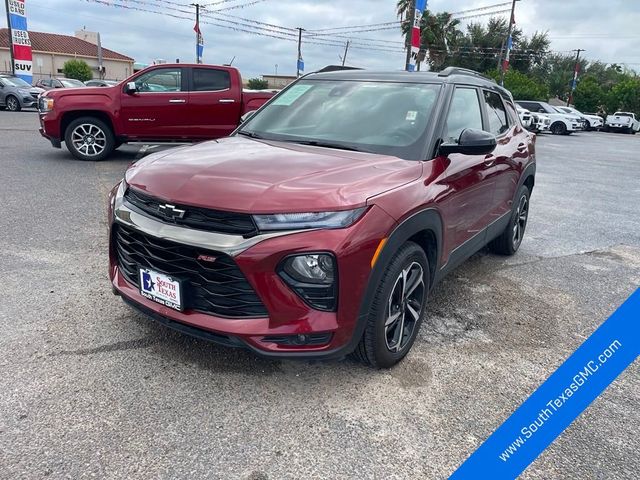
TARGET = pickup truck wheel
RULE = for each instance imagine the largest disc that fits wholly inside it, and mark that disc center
(510, 239)
(559, 128)
(89, 138)
(13, 105)
(397, 310)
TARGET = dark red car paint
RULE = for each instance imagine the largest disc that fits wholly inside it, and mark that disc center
(152, 115)
(238, 174)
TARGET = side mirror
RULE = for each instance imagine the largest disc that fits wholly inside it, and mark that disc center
(130, 88)
(471, 142)
(247, 116)
(57, 86)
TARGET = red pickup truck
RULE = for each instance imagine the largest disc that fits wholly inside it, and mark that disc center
(162, 103)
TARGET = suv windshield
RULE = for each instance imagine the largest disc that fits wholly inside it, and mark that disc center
(16, 82)
(70, 83)
(377, 117)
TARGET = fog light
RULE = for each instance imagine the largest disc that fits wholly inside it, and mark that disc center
(314, 268)
(313, 276)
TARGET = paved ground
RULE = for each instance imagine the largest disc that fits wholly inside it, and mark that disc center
(90, 389)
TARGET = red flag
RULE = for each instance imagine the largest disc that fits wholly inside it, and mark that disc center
(196, 28)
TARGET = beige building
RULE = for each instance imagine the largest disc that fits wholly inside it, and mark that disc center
(278, 81)
(51, 51)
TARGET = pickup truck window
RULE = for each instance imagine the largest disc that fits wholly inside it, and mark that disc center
(623, 114)
(160, 80)
(378, 117)
(498, 123)
(210, 80)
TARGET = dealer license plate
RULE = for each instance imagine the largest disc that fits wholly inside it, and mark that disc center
(161, 288)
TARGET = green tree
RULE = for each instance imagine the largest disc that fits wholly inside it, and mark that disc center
(625, 96)
(439, 34)
(522, 86)
(257, 84)
(589, 95)
(77, 69)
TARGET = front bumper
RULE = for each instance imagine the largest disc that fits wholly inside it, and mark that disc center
(288, 314)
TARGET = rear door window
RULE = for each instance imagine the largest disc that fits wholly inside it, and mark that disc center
(210, 80)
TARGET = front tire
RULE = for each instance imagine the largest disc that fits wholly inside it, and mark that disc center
(511, 238)
(397, 310)
(89, 139)
(13, 104)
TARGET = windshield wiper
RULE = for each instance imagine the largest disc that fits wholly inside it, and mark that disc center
(316, 143)
(250, 134)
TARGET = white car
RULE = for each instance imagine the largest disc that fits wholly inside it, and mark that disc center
(541, 122)
(622, 122)
(591, 122)
(561, 123)
(525, 117)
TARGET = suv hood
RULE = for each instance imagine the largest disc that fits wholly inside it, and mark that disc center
(256, 176)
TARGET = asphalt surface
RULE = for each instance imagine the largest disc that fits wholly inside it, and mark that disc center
(88, 388)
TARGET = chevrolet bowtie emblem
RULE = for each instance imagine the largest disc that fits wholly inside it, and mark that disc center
(171, 212)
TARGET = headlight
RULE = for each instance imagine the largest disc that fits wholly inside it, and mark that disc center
(296, 221)
(313, 276)
(45, 104)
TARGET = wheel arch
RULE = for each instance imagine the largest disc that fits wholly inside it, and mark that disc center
(425, 229)
(69, 117)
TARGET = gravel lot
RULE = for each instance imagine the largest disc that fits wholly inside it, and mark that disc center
(90, 389)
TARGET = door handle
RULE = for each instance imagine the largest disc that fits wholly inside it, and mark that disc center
(489, 161)
(226, 100)
(177, 100)
(522, 148)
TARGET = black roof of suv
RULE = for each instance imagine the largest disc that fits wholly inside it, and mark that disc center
(450, 75)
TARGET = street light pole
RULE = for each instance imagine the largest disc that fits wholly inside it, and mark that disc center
(576, 71)
(198, 32)
(511, 22)
(299, 52)
(412, 19)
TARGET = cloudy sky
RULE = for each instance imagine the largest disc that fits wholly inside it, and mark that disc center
(608, 30)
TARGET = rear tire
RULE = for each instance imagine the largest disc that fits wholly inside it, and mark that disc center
(12, 103)
(559, 128)
(397, 310)
(511, 238)
(89, 139)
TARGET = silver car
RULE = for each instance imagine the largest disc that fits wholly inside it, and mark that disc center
(16, 94)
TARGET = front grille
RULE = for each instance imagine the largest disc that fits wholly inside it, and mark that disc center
(195, 217)
(216, 288)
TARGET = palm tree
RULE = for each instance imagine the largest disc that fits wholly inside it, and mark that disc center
(439, 33)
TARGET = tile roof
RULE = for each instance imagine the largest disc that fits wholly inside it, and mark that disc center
(65, 44)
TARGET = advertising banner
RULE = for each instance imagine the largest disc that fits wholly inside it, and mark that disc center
(22, 64)
(421, 5)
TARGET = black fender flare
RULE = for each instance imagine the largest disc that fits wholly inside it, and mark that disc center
(428, 219)
(529, 171)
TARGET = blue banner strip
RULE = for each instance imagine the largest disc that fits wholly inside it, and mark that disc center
(18, 22)
(560, 399)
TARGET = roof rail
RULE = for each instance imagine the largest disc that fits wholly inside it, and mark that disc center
(335, 68)
(461, 71)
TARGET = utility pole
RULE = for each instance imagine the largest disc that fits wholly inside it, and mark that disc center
(299, 63)
(508, 41)
(10, 32)
(576, 71)
(198, 32)
(412, 19)
(346, 49)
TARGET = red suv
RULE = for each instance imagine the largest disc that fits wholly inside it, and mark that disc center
(319, 227)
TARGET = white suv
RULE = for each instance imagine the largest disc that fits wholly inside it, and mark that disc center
(561, 123)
